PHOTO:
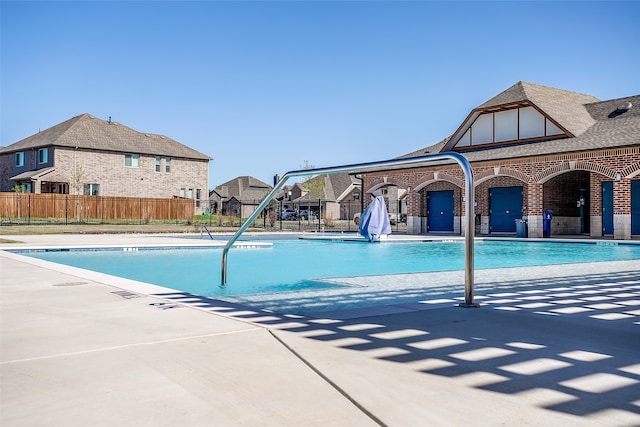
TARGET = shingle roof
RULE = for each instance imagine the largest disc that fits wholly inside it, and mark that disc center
(88, 132)
(32, 174)
(596, 124)
(333, 186)
(341, 182)
(244, 189)
(432, 149)
(565, 107)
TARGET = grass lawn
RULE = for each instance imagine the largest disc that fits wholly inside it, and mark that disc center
(21, 230)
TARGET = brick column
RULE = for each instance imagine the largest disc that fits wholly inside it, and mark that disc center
(622, 209)
(533, 203)
(595, 210)
(413, 212)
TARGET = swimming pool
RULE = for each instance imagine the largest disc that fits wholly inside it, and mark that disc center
(294, 264)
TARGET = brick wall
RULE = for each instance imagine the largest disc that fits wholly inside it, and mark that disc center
(115, 179)
(549, 182)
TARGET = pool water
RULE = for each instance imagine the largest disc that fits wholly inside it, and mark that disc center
(301, 264)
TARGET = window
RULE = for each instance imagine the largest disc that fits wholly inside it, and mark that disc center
(506, 125)
(190, 193)
(531, 123)
(131, 160)
(525, 123)
(482, 130)
(92, 189)
(20, 159)
(158, 159)
(167, 164)
(182, 190)
(197, 198)
(43, 155)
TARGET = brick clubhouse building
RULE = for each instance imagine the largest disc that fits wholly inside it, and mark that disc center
(534, 150)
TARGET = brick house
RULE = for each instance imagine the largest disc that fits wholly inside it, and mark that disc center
(533, 149)
(239, 196)
(337, 196)
(87, 155)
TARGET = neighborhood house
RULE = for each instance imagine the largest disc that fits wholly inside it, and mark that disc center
(89, 156)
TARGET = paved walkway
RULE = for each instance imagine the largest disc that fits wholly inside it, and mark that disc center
(81, 348)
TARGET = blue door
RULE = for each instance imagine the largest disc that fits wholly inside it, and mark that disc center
(440, 210)
(635, 207)
(607, 208)
(505, 208)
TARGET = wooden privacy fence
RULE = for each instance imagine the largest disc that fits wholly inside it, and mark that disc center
(66, 208)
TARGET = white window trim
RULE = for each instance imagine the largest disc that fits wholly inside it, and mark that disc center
(132, 157)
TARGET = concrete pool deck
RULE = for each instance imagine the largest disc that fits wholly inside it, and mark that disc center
(81, 348)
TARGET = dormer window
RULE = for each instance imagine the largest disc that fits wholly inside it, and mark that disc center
(508, 125)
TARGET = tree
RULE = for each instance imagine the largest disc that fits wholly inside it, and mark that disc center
(77, 179)
(314, 184)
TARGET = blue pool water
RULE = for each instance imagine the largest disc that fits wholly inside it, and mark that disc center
(297, 264)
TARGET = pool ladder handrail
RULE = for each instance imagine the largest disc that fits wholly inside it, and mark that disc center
(384, 165)
(204, 227)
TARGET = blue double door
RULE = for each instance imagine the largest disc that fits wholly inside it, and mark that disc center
(440, 207)
(635, 207)
(505, 204)
(607, 207)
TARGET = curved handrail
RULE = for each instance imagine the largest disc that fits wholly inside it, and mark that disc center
(392, 164)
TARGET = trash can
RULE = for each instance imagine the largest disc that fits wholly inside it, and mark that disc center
(521, 227)
(547, 216)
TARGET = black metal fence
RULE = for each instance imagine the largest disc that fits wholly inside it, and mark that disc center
(310, 215)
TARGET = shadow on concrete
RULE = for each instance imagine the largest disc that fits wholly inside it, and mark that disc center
(568, 344)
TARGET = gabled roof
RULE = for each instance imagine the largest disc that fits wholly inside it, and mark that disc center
(595, 124)
(342, 183)
(334, 187)
(565, 107)
(90, 133)
(244, 189)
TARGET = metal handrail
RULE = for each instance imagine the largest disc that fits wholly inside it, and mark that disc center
(204, 227)
(384, 165)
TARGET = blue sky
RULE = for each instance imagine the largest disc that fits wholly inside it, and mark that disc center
(263, 86)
